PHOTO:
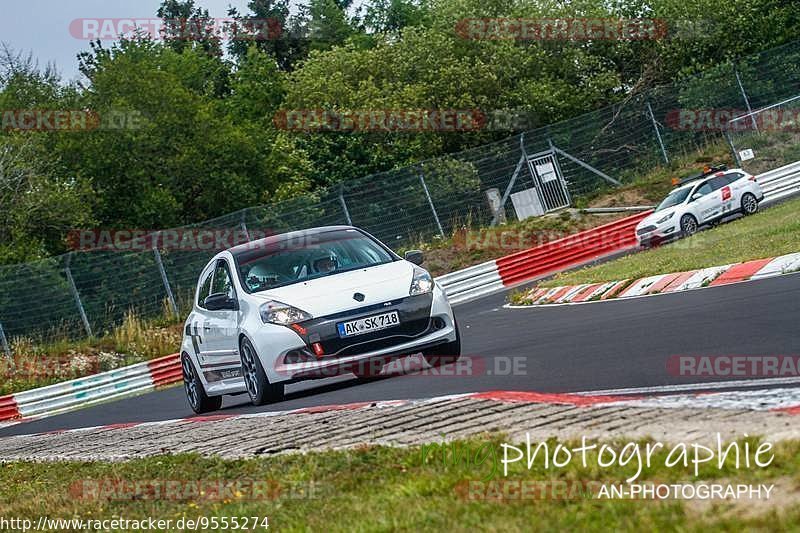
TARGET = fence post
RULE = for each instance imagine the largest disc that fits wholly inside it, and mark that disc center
(658, 133)
(733, 148)
(344, 206)
(163, 273)
(430, 202)
(744, 95)
(243, 225)
(523, 158)
(74, 290)
(4, 342)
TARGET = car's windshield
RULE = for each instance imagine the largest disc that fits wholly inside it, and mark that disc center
(675, 197)
(310, 256)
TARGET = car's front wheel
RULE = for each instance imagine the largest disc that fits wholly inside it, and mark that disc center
(444, 353)
(260, 390)
(749, 204)
(688, 225)
(199, 401)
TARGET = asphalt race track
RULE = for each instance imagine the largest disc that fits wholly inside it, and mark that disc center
(609, 345)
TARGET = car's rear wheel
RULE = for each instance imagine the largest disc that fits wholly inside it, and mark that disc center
(688, 225)
(260, 390)
(444, 353)
(199, 401)
(749, 204)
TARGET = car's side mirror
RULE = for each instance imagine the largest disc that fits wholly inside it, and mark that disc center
(414, 256)
(696, 196)
(220, 302)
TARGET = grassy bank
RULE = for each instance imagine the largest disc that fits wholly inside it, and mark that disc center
(769, 233)
(383, 489)
(37, 364)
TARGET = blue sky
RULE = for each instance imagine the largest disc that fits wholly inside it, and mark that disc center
(42, 26)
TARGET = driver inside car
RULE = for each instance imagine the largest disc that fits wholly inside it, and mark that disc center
(326, 264)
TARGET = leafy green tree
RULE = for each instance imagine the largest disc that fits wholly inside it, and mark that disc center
(188, 26)
(273, 29)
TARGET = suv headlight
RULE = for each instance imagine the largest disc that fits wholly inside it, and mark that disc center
(665, 218)
(421, 283)
(275, 312)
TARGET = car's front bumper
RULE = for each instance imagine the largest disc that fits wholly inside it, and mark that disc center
(653, 235)
(426, 321)
(367, 362)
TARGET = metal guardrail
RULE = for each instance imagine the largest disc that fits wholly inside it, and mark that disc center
(85, 391)
(579, 248)
(781, 182)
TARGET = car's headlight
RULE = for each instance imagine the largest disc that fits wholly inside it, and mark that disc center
(665, 218)
(275, 312)
(421, 283)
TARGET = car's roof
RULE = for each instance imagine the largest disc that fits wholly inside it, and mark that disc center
(273, 239)
(698, 181)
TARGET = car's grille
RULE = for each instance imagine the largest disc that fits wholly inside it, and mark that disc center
(646, 229)
(377, 340)
(415, 320)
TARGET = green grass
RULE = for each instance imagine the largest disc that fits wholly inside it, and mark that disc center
(396, 489)
(769, 233)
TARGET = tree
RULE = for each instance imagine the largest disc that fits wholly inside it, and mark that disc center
(273, 30)
(188, 26)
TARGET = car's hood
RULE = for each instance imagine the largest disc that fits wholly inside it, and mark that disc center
(333, 294)
(655, 217)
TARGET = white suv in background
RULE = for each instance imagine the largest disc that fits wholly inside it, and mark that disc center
(706, 198)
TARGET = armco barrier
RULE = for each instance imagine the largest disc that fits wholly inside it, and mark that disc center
(780, 182)
(496, 275)
(91, 389)
(572, 250)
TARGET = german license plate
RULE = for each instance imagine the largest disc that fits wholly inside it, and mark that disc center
(368, 324)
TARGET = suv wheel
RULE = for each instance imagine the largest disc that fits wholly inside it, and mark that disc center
(688, 225)
(749, 204)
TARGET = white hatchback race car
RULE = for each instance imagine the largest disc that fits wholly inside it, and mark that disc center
(706, 198)
(305, 305)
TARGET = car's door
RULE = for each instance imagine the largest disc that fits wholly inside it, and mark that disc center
(195, 328)
(731, 191)
(704, 203)
(220, 328)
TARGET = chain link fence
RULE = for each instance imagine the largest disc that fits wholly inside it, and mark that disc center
(88, 293)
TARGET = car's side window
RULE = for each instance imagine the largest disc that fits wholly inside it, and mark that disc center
(703, 189)
(718, 182)
(222, 280)
(732, 176)
(205, 289)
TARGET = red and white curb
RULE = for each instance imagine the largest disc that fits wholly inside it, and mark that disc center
(781, 400)
(82, 392)
(665, 283)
